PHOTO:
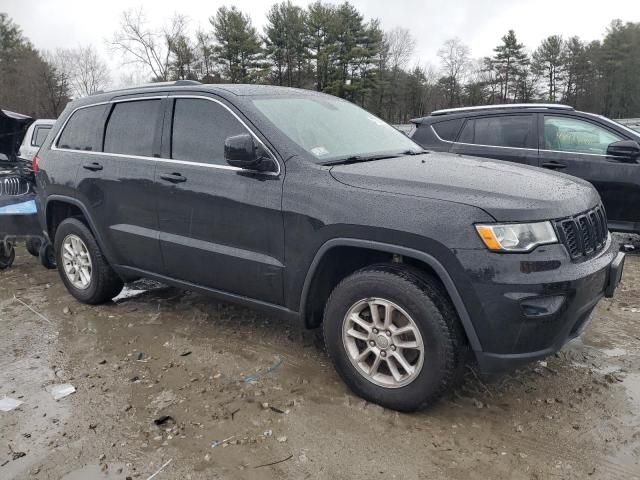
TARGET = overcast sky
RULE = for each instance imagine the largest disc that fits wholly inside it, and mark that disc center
(480, 24)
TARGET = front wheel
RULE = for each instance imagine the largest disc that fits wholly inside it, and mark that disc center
(82, 267)
(394, 337)
(7, 255)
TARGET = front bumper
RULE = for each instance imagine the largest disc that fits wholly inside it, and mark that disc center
(525, 307)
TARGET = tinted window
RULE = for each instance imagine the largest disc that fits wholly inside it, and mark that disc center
(82, 131)
(39, 136)
(132, 127)
(573, 135)
(199, 130)
(515, 131)
(448, 130)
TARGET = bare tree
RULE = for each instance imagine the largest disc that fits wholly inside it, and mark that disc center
(89, 73)
(401, 45)
(454, 58)
(141, 45)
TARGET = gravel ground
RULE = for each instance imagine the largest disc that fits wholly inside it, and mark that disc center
(253, 397)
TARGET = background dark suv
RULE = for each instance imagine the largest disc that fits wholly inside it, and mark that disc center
(556, 137)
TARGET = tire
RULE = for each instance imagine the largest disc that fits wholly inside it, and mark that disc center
(419, 301)
(47, 256)
(33, 245)
(102, 283)
(7, 256)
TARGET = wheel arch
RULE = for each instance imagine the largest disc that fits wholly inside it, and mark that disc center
(53, 201)
(390, 250)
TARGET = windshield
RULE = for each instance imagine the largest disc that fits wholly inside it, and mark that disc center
(332, 129)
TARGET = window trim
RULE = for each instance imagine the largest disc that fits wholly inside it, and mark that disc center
(54, 144)
(580, 119)
(478, 144)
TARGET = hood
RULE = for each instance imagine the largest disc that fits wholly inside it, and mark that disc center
(13, 127)
(508, 192)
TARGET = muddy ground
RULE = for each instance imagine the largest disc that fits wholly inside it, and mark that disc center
(226, 373)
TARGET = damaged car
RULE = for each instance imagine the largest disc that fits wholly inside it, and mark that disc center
(18, 214)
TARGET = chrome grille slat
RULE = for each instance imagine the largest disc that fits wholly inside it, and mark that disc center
(13, 187)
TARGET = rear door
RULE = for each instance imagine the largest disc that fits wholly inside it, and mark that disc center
(115, 180)
(510, 137)
(221, 227)
(578, 147)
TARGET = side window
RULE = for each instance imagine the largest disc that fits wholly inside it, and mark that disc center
(449, 129)
(131, 127)
(39, 135)
(515, 131)
(199, 130)
(567, 134)
(82, 131)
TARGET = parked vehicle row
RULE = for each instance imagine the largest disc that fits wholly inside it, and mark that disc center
(555, 137)
(307, 206)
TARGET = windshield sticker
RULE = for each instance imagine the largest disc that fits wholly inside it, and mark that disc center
(319, 151)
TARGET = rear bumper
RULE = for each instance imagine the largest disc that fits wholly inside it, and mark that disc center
(528, 306)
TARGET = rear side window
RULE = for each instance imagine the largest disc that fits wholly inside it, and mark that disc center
(199, 130)
(82, 131)
(516, 131)
(39, 135)
(131, 128)
(448, 130)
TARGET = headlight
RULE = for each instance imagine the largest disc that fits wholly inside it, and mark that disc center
(516, 237)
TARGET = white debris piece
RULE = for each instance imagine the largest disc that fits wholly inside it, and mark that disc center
(7, 404)
(61, 391)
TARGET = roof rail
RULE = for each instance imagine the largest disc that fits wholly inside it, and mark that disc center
(549, 106)
(175, 83)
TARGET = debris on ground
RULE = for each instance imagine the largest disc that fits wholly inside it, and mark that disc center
(160, 469)
(274, 463)
(62, 390)
(7, 404)
(217, 443)
(255, 376)
(164, 419)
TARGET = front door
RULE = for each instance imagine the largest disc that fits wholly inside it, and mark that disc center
(220, 227)
(579, 147)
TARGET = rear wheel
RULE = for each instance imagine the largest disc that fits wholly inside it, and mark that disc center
(394, 337)
(82, 267)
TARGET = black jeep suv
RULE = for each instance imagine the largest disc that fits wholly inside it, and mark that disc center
(557, 137)
(305, 205)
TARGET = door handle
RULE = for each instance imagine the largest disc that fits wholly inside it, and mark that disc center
(94, 167)
(554, 165)
(173, 178)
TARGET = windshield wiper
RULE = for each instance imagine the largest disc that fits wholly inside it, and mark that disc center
(361, 158)
(368, 158)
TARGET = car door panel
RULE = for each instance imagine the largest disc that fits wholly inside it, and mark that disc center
(118, 190)
(220, 227)
(617, 182)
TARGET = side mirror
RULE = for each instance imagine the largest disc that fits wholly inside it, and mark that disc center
(241, 151)
(625, 151)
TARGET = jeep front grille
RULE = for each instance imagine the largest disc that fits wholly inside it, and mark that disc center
(585, 234)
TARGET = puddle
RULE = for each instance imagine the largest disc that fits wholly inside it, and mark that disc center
(613, 352)
(95, 472)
